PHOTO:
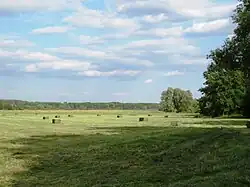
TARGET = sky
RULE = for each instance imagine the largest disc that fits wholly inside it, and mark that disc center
(107, 50)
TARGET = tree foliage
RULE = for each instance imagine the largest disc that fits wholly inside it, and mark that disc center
(167, 104)
(223, 92)
(227, 86)
(20, 105)
(177, 100)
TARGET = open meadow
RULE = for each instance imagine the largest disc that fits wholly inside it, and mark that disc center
(90, 150)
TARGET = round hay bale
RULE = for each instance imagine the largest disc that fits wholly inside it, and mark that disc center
(174, 123)
(54, 121)
(166, 116)
(248, 124)
(70, 116)
(197, 116)
(45, 117)
(119, 116)
(98, 114)
(149, 114)
(143, 119)
(57, 116)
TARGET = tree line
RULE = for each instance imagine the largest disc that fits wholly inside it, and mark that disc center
(21, 105)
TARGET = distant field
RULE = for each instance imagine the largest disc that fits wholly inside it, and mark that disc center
(91, 150)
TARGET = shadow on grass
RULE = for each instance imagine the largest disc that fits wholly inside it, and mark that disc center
(230, 122)
(137, 156)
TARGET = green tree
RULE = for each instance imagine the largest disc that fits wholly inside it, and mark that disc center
(182, 100)
(234, 59)
(166, 103)
(223, 91)
(176, 100)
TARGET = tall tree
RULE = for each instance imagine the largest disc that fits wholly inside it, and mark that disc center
(166, 103)
(176, 100)
(242, 41)
(230, 62)
(223, 92)
(182, 100)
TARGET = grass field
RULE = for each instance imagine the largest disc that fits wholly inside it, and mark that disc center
(106, 151)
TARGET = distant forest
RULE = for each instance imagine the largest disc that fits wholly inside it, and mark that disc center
(21, 105)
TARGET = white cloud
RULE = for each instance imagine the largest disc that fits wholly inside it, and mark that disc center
(95, 73)
(183, 60)
(167, 45)
(162, 32)
(31, 68)
(59, 65)
(26, 55)
(39, 61)
(148, 81)
(101, 55)
(177, 9)
(155, 18)
(97, 19)
(208, 27)
(173, 73)
(79, 52)
(88, 40)
(220, 25)
(15, 43)
(120, 34)
(50, 30)
(11, 6)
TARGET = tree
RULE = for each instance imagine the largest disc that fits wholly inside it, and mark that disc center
(176, 100)
(166, 103)
(223, 92)
(182, 100)
(229, 82)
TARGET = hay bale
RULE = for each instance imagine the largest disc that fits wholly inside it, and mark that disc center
(70, 116)
(248, 124)
(174, 123)
(56, 121)
(197, 116)
(45, 117)
(143, 119)
(166, 116)
(149, 114)
(98, 114)
(119, 116)
(57, 116)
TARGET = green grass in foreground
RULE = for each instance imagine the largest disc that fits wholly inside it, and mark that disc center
(87, 150)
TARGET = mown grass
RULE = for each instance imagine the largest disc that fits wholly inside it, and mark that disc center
(87, 150)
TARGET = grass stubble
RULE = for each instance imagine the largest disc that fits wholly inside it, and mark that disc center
(87, 150)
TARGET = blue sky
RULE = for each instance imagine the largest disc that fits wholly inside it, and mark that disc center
(107, 50)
